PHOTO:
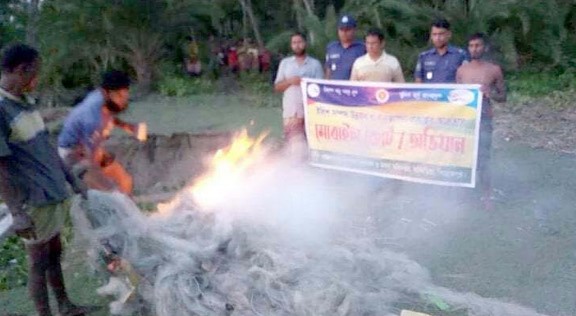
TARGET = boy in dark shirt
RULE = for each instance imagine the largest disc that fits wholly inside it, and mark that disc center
(33, 180)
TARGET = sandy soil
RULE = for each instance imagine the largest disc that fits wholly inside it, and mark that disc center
(548, 123)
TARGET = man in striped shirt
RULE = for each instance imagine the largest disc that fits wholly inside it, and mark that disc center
(33, 180)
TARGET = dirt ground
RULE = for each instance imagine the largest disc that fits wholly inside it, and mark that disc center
(524, 251)
(548, 122)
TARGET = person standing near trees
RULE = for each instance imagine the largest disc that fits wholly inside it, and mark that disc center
(33, 180)
(491, 79)
(192, 60)
(341, 54)
(439, 64)
(290, 72)
(376, 65)
(264, 59)
(233, 60)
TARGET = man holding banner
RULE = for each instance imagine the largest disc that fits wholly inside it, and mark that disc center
(439, 64)
(291, 70)
(491, 79)
(376, 65)
(341, 54)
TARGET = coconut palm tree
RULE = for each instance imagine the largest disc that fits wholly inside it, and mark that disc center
(323, 31)
(100, 34)
(13, 20)
(521, 30)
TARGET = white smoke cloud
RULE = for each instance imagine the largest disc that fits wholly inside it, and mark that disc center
(282, 239)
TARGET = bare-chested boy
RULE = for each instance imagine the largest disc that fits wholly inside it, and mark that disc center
(489, 75)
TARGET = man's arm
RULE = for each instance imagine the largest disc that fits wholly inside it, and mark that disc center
(418, 71)
(327, 71)
(285, 84)
(128, 127)
(354, 73)
(8, 191)
(74, 179)
(459, 75)
(398, 75)
(22, 224)
(499, 92)
(282, 83)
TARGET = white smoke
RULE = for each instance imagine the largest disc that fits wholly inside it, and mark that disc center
(283, 240)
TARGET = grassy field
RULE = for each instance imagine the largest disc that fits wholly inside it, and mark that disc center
(200, 113)
(524, 251)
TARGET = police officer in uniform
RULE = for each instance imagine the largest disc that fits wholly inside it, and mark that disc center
(439, 64)
(341, 54)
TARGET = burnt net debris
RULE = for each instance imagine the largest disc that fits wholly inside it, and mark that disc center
(266, 251)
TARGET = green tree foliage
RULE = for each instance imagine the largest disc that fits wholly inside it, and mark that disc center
(522, 31)
(12, 21)
(80, 39)
(320, 32)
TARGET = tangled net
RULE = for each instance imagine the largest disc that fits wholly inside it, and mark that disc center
(194, 262)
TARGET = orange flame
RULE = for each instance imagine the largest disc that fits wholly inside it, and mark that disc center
(227, 169)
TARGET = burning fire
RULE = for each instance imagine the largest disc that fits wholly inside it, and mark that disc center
(228, 168)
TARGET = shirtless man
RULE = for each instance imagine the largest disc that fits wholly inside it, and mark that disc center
(489, 75)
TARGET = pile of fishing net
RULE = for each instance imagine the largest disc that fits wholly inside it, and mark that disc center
(193, 262)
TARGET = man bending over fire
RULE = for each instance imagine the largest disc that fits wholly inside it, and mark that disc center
(80, 143)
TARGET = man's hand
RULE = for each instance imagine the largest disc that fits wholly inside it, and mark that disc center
(133, 128)
(23, 225)
(485, 91)
(141, 132)
(76, 178)
(295, 81)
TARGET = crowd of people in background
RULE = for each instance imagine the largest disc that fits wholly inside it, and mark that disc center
(228, 56)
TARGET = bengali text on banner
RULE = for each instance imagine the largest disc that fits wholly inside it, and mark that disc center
(424, 133)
